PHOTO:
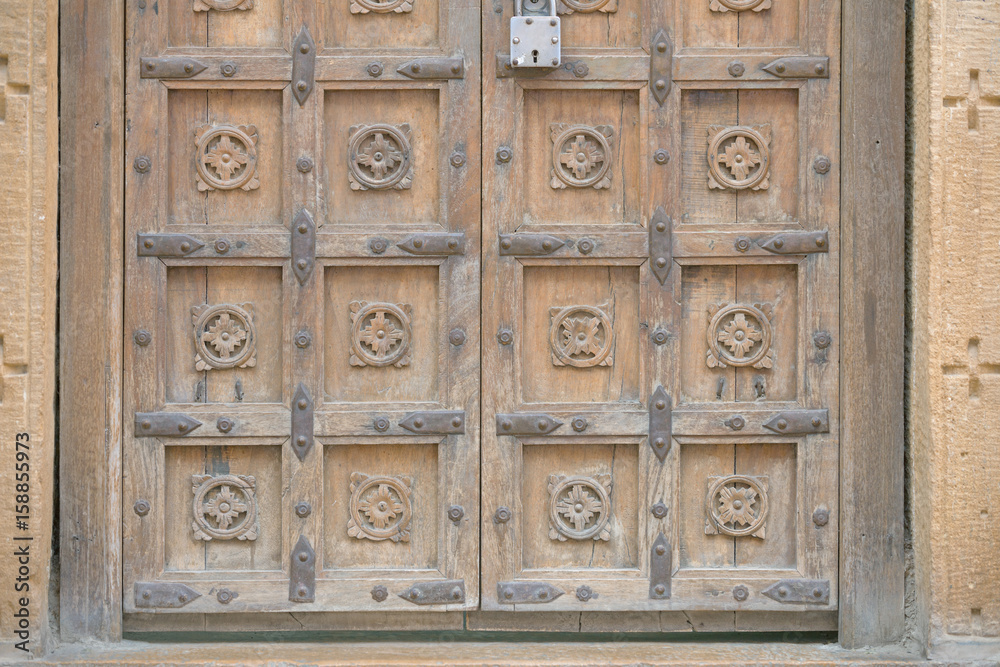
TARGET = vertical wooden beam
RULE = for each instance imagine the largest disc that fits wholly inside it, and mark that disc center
(92, 132)
(872, 318)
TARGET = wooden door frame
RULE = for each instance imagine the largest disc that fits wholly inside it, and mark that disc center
(92, 243)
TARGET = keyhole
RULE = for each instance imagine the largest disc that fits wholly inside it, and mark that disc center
(534, 56)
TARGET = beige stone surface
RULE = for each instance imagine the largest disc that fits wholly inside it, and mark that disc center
(954, 383)
(29, 144)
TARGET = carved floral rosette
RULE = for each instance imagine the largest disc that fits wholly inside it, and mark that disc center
(224, 336)
(380, 508)
(381, 6)
(226, 157)
(581, 155)
(380, 334)
(739, 157)
(586, 6)
(580, 507)
(739, 5)
(225, 507)
(379, 157)
(222, 5)
(736, 505)
(581, 336)
(740, 335)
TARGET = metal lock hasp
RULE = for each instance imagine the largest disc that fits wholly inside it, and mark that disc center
(535, 39)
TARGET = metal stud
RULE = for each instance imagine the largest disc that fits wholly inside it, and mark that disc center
(303, 339)
(822, 164)
(303, 509)
(225, 424)
(374, 69)
(585, 246)
(661, 156)
(455, 513)
(142, 164)
(304, 164)
(141, 507)
(658, 510)
(381, 424)
(660, 336)
(142, 338)
(743, 244)
(502, 515)
(504, 154)
(737, 69)
(380, 593)
(505, 336)
(457, 159)
(222, 246)
(456, 337)
(228, 69)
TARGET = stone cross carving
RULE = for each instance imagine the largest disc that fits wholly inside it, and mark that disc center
(972, 101)
(973, 369)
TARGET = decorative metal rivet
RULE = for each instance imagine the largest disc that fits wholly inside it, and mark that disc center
(418, 422)
(661, 156)
(142, 164)
(741, 593)
(142, 338)
(822, 339)
(182, 597)
(737, 69)
(584, 593)
(743, 244)
(375, 69)
(303, 509)
(457, 159)
(225, 596)
(146, 595)
(822, 164)
(222, 246)
(302, 85)
(660, 589)
(378, 245)
(506, 336)
(188, 68)
(779, 243)
(303, 339)
(502, 515)
(780, 68)
(141, 507)
(381, 424)
(225, 424)
(820, 68)
(228, 69)
(821, 516)
(504, 154)
(456, 337)
(585, 246)
(736, 422)
(304, 164)
(579, 424)
(660, 336)
(380, 593)
(659, 510)
(303, 404)
(580, 70)
(455, 513)
(782, 424)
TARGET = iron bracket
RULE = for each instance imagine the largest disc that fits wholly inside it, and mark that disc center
(799, 422)
(437, 243)
(529, 244)
(302, 572)
(660, 569)
(660, 248)
(303, 245)
(526, 423)
(447, 591)
(433, 68)
(303, 66)
(170, 67)
(796, 243)
(660, 426)
(800, 67)
(176, 424)
(167, 245)
(302, 422)
(661, 61)
(438, 422)
(526, 592)
(799, 591)
(160, 595)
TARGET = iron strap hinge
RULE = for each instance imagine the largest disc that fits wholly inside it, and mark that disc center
(170, 67)
(303, 66)
(529, 244)
(166, 245)
(302, 422)
(796, 243)
(303, 245)
(526, 592)
(434, 243)
(169, 424)
(437, 422)
(800, 67)
(433, 68)
(799, 591)
(660, 248)
(661, 62)
(660, 569)
(799, 422)
(660, 423)
(302, 572)
(526, 423)
(447, 591)
(160, 595)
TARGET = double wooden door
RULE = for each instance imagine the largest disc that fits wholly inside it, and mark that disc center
(410, 328)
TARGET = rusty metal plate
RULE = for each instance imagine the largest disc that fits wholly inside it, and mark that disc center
(302, 572)
(660, 422)
(799, 591)
(660, 569)
(660, 247)
(437, 422)
(166, 245)
(526, 592)
(303, 66)
(433, 68)
(529, 244)
(800, 67)
(303, 246)
(661, 61)
(526, 423)
(799, 422)
(160, 595)
(174, 67)
(169, 424)
(796, 243)
(448, 591)
(302, 422)
(434, 244)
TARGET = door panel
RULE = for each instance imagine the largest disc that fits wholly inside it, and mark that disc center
(302, 307)
(660, 428)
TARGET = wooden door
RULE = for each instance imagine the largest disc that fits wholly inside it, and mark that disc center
(302, 306)
(660, 310)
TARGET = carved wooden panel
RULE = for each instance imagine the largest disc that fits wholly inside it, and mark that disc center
(224, 336)
(381, 6)
(586, 6)
(380, 334)
(225, 507)
(736, 505)
(380, 157)
(739, 5)
(581, 336)
(581, 156)
(227, 157)
(222, 5)
(579, 507)
(739, 157)
(380, 508)
(740, 335)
